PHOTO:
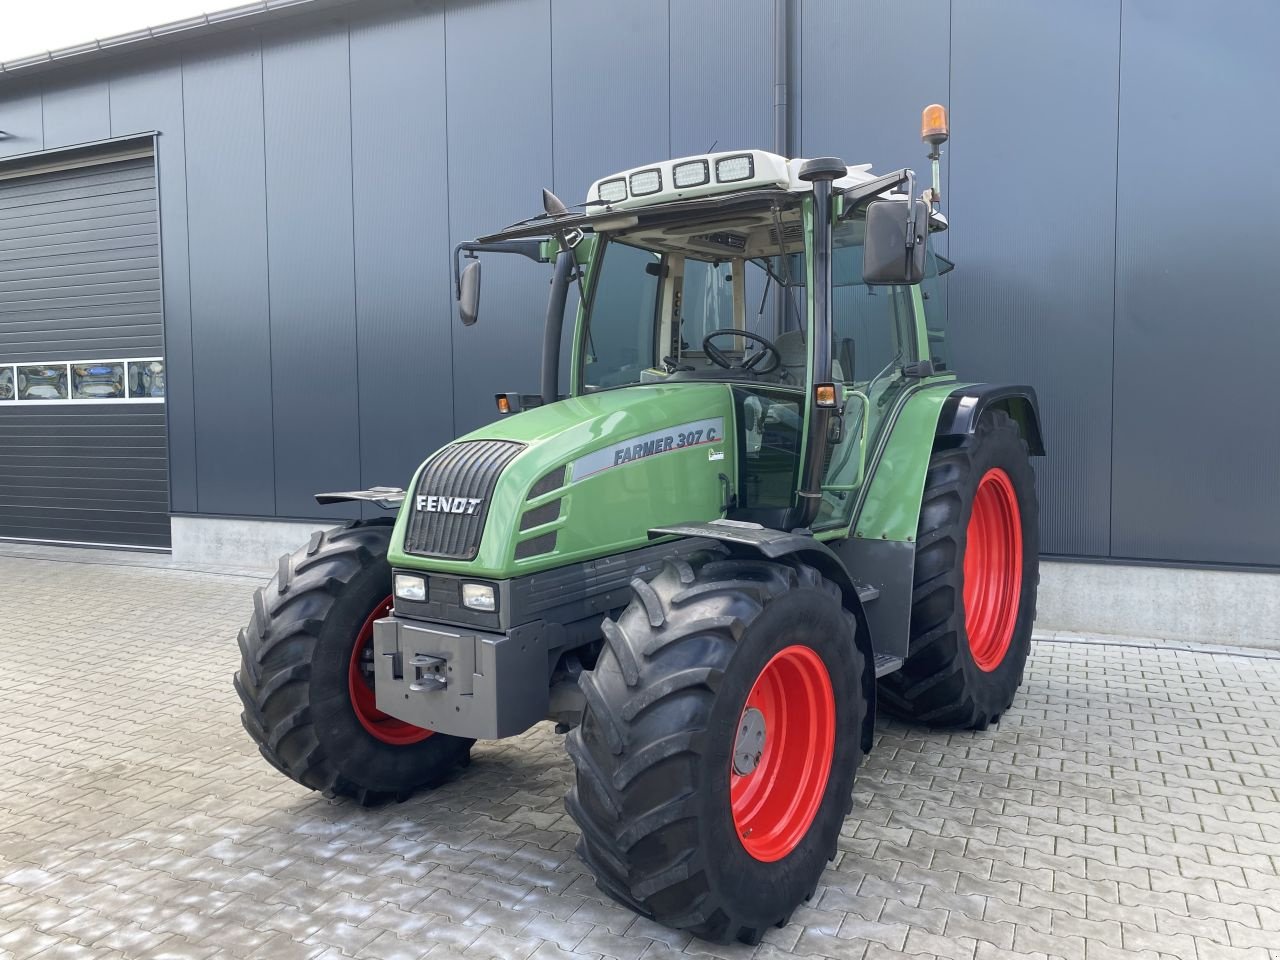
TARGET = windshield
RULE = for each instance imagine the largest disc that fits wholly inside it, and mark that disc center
(658, 294)
(650, 313)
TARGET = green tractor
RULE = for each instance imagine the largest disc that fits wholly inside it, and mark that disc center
(764, 509)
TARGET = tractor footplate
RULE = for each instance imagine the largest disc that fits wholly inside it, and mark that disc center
(459, 681)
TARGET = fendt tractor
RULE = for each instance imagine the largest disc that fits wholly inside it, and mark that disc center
(764, 509)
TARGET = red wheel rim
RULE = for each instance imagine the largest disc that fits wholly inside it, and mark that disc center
(783, 751)
(992, 569)
(360, 685)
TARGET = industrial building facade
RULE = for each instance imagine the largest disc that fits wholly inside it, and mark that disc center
(225, 244)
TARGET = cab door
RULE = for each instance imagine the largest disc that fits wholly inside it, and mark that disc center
(873, 337)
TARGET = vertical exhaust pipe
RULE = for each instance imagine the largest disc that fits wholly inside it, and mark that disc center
(554, 328)
(819, 172)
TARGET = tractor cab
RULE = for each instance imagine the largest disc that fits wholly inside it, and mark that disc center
(700, 270)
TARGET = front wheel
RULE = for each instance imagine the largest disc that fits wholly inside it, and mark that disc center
(716, 757)
(306, 675)
(976, 573)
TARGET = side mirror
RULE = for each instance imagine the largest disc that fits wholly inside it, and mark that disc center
(893, 249)
(469, 293)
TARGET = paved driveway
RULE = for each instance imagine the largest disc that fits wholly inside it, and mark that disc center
(1128, 806)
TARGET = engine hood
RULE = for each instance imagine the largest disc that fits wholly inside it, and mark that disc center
(591, 476)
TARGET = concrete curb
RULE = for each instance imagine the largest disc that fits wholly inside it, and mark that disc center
(1154, 643)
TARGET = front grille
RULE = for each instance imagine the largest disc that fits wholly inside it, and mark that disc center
(467, 470)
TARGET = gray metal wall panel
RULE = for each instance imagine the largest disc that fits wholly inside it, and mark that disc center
(1196, 452)
(499, 76)
(78, 114)
(846, 106)
(404, 308)
(602, 127)
(22, 119)
(147, 101)
(306, 88)
(88, 473)
(1033, 226)
(843, 50)
(230, 314)
(721, 64)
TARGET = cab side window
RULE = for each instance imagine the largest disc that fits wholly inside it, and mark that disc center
(619, 338)
(867, 322)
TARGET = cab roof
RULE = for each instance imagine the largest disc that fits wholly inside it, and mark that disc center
(707, 175)
(733, 182)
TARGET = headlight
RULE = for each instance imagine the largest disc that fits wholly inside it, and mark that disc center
(410, 587)
(479, 596)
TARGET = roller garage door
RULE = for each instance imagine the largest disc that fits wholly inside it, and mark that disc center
(82, 420)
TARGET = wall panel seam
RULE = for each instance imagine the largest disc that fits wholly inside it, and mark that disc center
(551, 88)
(448, 216)
(266, 235)
(355, 275)
(191, 338)
(1115, 283)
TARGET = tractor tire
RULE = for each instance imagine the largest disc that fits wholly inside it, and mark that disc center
(305, 676)
(974, 591)
(716, 756)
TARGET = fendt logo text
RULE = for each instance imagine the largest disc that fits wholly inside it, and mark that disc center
(432, 504)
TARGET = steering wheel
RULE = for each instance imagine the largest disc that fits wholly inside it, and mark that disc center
(749, 365)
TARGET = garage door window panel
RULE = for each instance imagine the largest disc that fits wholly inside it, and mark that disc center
(42, 382)
(97, 380)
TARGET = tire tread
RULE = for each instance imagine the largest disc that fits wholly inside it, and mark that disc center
(676, 640)
(931, 686)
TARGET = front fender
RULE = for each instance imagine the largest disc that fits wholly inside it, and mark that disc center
(749, 538)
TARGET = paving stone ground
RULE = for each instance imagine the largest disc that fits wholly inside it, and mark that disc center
(1127, 806)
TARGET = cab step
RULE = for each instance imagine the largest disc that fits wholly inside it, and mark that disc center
(886, 663)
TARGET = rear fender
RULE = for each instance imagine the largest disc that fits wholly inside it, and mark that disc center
(962, 410)
(744, 539)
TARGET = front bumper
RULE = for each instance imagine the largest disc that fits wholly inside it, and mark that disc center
(459, 680)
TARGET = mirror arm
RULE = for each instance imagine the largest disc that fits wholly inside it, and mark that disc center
(531, 248)
(911, 213)
(858, 196)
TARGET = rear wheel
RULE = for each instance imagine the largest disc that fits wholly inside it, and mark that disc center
(306, 675)
(976, 573)
(716, 757)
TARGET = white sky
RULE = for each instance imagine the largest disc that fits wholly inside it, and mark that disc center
(34, 26)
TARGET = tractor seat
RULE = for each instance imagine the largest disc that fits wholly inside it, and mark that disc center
(795, 358)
